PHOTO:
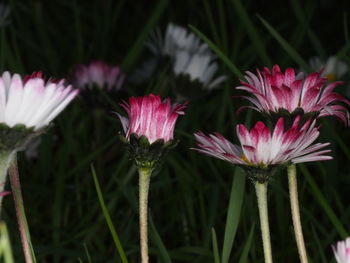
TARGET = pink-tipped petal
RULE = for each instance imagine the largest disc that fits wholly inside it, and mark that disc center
(151, 117)
(261, 147)
(33, 101)
(273, 91)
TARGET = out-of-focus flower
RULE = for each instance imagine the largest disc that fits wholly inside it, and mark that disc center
(149, 130)
(277, 92)
(189, 62)
(260, 150)
(32, 102)
(5, 12)
(332, 69)
(176, 38)
(99, 74)
(197, 67)
(342, 251)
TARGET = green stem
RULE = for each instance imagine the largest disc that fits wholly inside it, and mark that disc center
(21, 217)
(144, 180)
(261, 194)
(294, 204)
(6, 158)
(6, 250)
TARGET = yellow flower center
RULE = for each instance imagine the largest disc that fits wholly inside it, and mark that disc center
(244, 158)
(331, 77)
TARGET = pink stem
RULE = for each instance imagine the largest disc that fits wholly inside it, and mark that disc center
(21, 219)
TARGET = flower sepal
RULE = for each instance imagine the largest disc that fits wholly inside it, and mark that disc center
(186, 87)
(16, 137)
(147, 155)
(259, 174)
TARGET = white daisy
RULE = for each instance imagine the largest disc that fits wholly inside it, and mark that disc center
(333, 68)
(199, 67)
(32, 101)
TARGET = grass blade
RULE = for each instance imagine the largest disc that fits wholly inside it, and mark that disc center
(247, 246)
(158, 242)
(252, 32)
(287, 47)
(5, 245)
(300, 13)
(215, 246)
(108, 218)
(136, 49)
(234, 212)
(319, 246)
(217, 50)
(323, 203)
(87, 254)
(342, 144)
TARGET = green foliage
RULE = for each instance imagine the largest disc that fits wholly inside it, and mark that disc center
(192, 193)
(5, 245)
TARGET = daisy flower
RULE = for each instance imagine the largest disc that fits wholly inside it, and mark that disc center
(190, 62)
(342, 251)
(197, 67)
(332, 69)
(151, 117)
(149, 130)
(176, 38)
(261, 150)
(273, 92)
(98, 73)
(27, 106)
(32, 101)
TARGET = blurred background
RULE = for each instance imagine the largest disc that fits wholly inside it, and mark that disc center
(195, 201)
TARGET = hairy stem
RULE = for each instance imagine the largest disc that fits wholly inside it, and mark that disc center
(144, 180)
(261, 194)
(21, 218)
(294, 204)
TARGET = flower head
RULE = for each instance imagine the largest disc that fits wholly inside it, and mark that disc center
(342, 251)
(197, 67)
(188, 61)
(332, 69)
(27, 106)
(5, 12)
(32, 102)
(261, 150)
(99, 74)
(176, 38)
(151, 117)
(149, 130)
(275, 91)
